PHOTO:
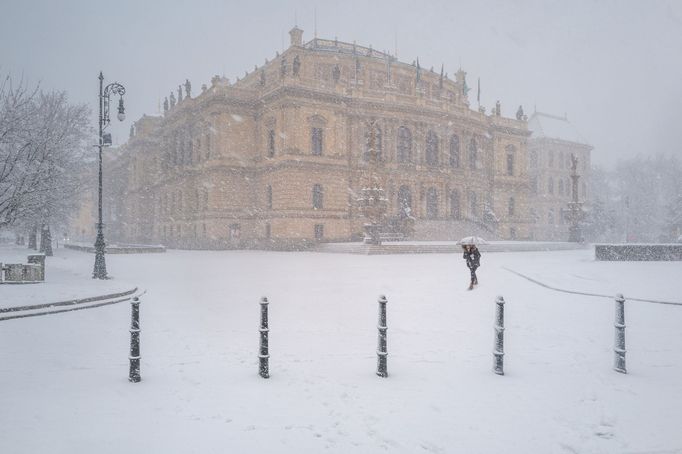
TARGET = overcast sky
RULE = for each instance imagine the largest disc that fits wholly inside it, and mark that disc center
(614, 67)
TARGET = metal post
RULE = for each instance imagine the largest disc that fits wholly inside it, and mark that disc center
(619, 347)
(100, 271)
(134, 375)
(498, 351)
(382, 351)
(264, 355)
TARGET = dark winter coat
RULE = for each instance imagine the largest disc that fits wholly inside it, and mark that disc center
(473, 258)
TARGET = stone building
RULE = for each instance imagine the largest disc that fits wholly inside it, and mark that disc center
(553, 142)
(278, 158)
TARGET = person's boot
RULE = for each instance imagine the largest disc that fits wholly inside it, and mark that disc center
(471, 285)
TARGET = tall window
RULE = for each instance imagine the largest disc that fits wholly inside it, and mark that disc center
(317, 139)
(207, 140)
(404, 145)
(472, 154)
(511, 150)
(404, 201)
(318, 197)
(319, 231)
(454, 205)
(268, 197)
(550, 185)
(271, 143)
(550, 217)
(431, 149)
(561, 186)
(454, 151)
(473, 204)
(431, 203)
(512, 206)
(534, 159)
(551, 159)
(377, 144)
(561, 159)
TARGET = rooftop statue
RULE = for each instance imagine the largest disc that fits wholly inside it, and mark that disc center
(188, 88)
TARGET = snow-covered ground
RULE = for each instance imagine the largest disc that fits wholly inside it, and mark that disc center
(64, 377)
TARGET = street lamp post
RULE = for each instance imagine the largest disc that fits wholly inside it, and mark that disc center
(100, 271)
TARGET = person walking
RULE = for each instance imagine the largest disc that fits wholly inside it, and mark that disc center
(473, 258)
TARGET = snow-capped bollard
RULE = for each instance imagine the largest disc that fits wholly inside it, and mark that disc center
(619, 347)
(264, 354)
(134, 374)
(498, 351)
(382, 352)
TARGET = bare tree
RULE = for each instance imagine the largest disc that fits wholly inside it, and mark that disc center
(42, 149)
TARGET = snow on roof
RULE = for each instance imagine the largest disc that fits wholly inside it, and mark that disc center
(553, 127)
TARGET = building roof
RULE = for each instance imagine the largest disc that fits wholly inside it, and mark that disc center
(553, 127)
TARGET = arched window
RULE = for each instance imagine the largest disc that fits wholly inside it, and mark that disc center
(511, 150)
(561, 160)
(404, 152)
(404, 201)
(318, 197)
(512, 206)
(431, 149)
(472, 154)
(207, 141)
(317, 141)
(377, 144)
(561, 186)
(455, 212)
(550, 185)
(584, 195)
(190, 151)
(454, 151)
(268, 197)
(432, 203)
(271, 143)
(551, 159)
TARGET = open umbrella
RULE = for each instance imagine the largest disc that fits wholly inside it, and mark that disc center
(472, 240)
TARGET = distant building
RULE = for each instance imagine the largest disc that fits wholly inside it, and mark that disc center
(278, 159)
(550, 147)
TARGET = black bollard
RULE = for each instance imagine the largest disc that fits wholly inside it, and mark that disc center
(382, 351)
(264, 355)
(134, 375)
(619, 347)
(498, 351)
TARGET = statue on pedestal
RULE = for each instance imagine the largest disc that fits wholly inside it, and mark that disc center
(179, 94)
(498, 108)
(165, 105)
(188, 88)
(172, 100)
(519, 113)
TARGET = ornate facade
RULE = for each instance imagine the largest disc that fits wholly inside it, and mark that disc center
(279, 158)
